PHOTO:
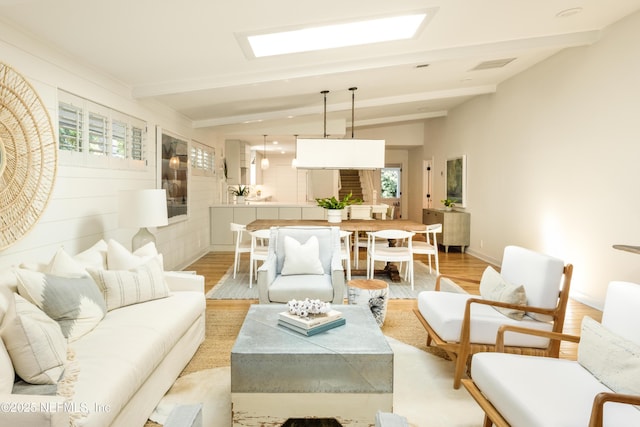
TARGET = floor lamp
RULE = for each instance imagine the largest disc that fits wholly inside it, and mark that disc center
(142, 208)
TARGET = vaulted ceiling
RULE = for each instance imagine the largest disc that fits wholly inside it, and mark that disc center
(188, 55)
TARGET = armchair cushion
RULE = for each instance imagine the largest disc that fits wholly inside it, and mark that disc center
(495, 288)
(612, 359)
(301, 258)
(296, 287)
(273, 286)
(531, 391)
(443, 311)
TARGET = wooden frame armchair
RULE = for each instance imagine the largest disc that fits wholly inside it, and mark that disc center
(463, 324)
(544, 391)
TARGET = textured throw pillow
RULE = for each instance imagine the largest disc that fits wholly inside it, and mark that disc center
(120, 258)
(612, 359)
(493, 287)
(76, 303)
(122, 287)
(34, 342)
(95, 256)
(301, 258)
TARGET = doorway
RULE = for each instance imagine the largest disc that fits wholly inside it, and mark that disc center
(390, 188)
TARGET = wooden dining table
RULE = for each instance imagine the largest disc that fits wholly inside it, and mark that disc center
(354, 225)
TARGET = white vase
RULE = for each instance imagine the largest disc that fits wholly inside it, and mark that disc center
(240, 200)
(334, 215)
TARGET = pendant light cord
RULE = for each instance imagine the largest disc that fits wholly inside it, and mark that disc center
(325, 92)
(353, 103)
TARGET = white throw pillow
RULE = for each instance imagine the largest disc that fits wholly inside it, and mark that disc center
(64, 265)
(76, 303)
(122, 287)
(301, 258)
(493, 287)
(120, 258)
(95, 256)
(615, 361)
(35, 343)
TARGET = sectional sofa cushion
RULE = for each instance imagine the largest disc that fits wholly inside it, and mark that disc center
(34, 342)
(122, 287)
(74, 302)
(301, 258)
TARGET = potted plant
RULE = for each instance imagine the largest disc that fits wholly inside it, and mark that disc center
(240, 192)
(335, 206)
(448, 204)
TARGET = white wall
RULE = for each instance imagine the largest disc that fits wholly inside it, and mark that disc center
(552, 160)
(83, 205)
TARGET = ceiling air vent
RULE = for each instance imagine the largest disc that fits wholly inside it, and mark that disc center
(495, 63)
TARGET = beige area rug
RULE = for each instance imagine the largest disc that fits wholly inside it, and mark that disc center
(423, 393)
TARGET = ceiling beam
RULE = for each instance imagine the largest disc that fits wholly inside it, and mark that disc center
(345, 106)
(314, 69)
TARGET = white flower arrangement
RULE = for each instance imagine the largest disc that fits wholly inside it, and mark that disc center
(308, 307)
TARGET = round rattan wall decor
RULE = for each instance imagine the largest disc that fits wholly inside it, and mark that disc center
(28, 156)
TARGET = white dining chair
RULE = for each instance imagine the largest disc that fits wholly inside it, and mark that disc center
(430, 245)
(259, 251)
(345, 251)
(243, 245)
(388, 253)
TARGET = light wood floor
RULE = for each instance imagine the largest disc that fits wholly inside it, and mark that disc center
(215, 264)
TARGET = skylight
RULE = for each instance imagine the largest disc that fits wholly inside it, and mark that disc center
(337, 35)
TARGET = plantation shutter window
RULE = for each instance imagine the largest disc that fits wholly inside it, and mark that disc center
(137, 144)
(98, 134)
(69, 127)
(93, 135)
(119, 139)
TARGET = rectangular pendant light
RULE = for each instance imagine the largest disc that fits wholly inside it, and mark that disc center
(330, 153)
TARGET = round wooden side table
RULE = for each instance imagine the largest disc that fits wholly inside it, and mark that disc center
(371, 292)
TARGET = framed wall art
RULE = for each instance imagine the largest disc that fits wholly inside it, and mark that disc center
(456, 180)
(174, 170)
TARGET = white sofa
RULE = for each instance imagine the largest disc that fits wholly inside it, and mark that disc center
(121, 368)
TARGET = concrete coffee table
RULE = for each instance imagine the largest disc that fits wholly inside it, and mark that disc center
(345, 373)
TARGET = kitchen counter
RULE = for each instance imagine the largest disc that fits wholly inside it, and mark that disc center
(253, 203)
(221, 216)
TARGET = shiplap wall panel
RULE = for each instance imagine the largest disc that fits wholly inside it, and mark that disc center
(83, 206)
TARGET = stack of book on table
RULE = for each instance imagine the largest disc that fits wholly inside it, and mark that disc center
(313, 324)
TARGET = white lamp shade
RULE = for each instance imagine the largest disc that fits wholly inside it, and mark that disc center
(264, 163)
(142, 208)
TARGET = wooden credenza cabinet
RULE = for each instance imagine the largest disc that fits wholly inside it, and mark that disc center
(456, 228)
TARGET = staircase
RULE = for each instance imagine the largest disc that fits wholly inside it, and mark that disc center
(350, 180)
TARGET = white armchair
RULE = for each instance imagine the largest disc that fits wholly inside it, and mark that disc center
(527, 391)
(301, 280)
(529, 291)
